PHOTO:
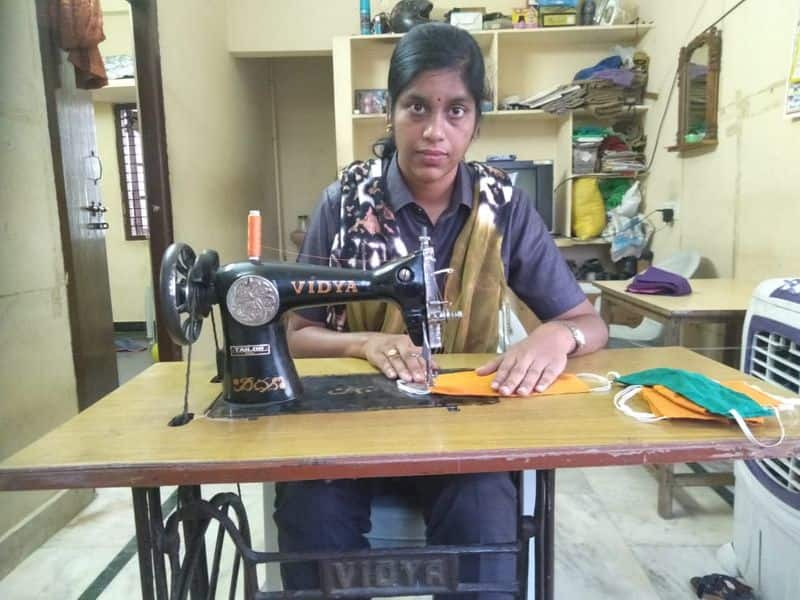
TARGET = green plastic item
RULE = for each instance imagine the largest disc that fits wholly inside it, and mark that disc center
(613, 190)
(589, 132)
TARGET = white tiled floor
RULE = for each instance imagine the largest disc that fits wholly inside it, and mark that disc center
(610, 541)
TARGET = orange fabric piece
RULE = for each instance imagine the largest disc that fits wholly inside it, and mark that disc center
(663, 406)
(469, 383)
(664, 402)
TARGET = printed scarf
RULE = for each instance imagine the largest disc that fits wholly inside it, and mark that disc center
(368, 237)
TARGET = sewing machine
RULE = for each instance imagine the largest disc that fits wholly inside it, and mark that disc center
(256, 367)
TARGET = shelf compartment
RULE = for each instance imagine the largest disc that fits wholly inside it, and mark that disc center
(484, 39)
(638, 109)
(596, 34)
(523, 114)
(609, 175)
(565, 242)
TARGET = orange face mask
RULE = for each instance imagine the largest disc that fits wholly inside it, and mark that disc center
(664, 402)
(469, 383)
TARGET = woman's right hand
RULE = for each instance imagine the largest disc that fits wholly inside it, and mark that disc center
(396, 356)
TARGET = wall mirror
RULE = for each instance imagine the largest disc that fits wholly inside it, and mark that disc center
(698, 92)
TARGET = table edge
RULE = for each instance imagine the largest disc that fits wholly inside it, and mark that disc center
(640, 301)
(395, 465)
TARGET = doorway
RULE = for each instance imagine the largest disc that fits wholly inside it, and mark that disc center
(109, 270)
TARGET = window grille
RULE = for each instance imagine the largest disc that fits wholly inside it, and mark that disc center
(131, 172)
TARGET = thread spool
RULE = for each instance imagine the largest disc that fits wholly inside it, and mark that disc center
(254, 235)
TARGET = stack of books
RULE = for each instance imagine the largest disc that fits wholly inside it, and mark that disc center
(621, 161)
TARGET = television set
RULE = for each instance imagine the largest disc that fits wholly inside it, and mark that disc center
(534, 177)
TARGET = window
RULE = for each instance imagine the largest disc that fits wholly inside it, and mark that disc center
(131, 172)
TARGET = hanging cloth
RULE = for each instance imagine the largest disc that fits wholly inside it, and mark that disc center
(79, 27)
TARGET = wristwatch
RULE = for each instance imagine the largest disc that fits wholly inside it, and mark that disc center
(577, 335)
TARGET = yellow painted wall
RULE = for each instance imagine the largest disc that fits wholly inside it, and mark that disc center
(275, 27)
(738, 204)
(302, 91)
(128, 260)
(34, 319)
(218, 134)
(117, 28)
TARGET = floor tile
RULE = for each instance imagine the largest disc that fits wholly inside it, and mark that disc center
(592, 559)
(629, 494)
(670, 568)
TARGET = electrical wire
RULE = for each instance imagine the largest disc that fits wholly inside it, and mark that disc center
(733, 8)
(648, 167)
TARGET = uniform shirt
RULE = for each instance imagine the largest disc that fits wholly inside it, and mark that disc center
(534, 267)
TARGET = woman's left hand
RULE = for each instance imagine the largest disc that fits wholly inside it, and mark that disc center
(533, 363)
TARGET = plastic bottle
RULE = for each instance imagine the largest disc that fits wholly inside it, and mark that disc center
(587, 12)
(366, 20)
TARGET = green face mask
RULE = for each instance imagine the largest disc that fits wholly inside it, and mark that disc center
(701, 390)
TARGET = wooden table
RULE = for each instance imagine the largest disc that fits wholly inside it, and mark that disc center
(124, 440)
(711, 301)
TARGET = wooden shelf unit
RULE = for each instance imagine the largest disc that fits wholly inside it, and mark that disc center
(518, 62)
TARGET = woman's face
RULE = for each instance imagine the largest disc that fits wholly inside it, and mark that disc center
(434, 121)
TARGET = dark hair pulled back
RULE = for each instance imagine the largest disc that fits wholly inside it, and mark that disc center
(433, 47)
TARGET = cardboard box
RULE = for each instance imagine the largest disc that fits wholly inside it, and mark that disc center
(524, 18)
(557, 17)
(468, 20)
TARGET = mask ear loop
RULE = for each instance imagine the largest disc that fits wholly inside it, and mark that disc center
(786, 402)
(605, 382)
(621, 400)
(749, 434)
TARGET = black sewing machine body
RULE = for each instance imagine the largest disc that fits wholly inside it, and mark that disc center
(253, 296)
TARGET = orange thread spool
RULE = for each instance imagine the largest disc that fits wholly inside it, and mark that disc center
(254, 235)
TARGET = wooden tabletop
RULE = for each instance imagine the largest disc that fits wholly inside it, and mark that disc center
(124, 440)
(709, 298)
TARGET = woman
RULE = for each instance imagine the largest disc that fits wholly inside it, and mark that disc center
(484, 229)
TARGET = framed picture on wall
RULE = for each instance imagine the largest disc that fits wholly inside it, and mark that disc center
(371, 102)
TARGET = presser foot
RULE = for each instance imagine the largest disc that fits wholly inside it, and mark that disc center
(419, 389)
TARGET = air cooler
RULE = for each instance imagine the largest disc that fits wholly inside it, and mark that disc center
(766, 528)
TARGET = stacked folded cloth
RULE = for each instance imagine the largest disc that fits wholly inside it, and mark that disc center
(604, 98)
(614, 83)
(658, 281)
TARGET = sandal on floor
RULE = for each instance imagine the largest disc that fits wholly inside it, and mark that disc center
(721, 587)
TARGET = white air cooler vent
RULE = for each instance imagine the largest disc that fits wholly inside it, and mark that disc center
(766, 530)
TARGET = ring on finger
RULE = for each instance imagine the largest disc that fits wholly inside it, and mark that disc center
(392, 352)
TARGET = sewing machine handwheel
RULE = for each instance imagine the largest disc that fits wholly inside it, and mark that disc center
(178, 295)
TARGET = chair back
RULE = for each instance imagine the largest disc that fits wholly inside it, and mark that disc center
(684, 263)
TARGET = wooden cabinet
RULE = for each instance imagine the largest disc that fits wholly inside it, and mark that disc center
(519, 62)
